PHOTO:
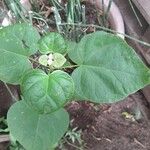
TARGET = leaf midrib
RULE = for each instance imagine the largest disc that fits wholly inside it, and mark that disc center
(36, 131)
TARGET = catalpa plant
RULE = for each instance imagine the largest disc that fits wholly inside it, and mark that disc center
(104, 70)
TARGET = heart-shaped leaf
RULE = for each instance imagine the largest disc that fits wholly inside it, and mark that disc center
(59, 60)
(47, 93)
(52, 42)
(109, 69)
(43, 60)
(17, 43)
(35, 131)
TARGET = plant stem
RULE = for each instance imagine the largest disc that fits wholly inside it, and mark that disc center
(72, 144)
(107, 11)
(58, 4)
(65, 67)
(11, 94)
(31, 59)
(72, 66)
(30, 18)
(110, 30)
(103, 16)
(83, 14)
(38, 17)
(135, 13)
(57, 16)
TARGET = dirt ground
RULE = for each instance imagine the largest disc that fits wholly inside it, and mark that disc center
(120, 126)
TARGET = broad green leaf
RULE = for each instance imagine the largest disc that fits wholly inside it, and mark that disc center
(17, 43)
(52, 42)
(36, 131)
(19, 38)
(47, 93)
(109, 69)
(59, 60)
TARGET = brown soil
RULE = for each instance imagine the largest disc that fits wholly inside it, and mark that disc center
(104, 127)
(6, 99)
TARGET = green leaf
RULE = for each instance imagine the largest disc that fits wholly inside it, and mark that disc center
(36, 131)
(17, 43)
(109, 69)
(19, 38)
(52, 42)
(59, 60)
(55, 60)
(47, 93)
(43, 60)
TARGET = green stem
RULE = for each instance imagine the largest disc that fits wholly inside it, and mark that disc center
(83, 14)
(30, 18)
(78, 148)
(71, 66)
(103, 16)
(135, 13)
(31, 59)
(65, 67)
(107, 11)
(57, 18)
(11, 94)
(38, 17)
(58, 4)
